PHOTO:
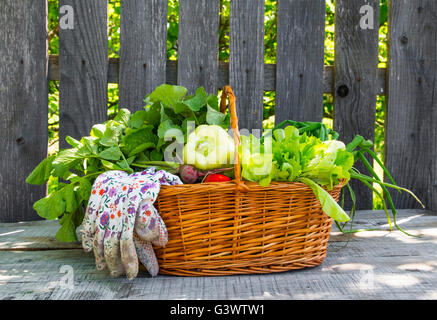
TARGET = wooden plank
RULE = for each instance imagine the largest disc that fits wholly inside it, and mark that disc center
(223, 74)
(402, 267)
(36, 275)
(246, 60)
(411, 130)
(36, 235)
(356, 63)
(300, 60)
(40, 235)
(23, 104)
(198, 44)
(143, 44)
(83, 63)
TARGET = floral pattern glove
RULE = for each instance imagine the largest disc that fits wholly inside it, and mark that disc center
(120, 222)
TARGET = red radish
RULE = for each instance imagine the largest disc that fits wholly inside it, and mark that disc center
(189, 174)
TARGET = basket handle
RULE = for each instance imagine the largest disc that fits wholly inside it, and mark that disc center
(227, 93)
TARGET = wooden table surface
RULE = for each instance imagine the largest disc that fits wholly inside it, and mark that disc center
(373, 265)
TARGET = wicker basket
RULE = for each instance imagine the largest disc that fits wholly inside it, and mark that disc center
(240, 227)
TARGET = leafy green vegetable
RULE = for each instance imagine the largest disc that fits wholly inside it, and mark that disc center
(333, 164)
(309, 152)
(290, 155)
(256, 165)
(119, 144)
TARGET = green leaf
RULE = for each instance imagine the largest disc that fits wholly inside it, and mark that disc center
(142, 147)
(163, 114)
(67, 232)
(123, 117)
(165, 127)
(130, 160)
(154, 114)
(279, 135)
(112, 153)
(161, 143)
(41, 174)
(84, 189)
(69, 196)
(69, 222)
(136, 139)
(65, 160)
(125, 166)
(214, 117)
(72, 142)
(188, 125)
(50, 207)
(110, 166)
(91, 144)
(182, 108)
(111, 136)
(169, 114)
(66, 157)
(84, 152)
(265, 182)
(155, 155)
(212, 101)
(98, 130)
(329, 205)
(138, 119)
(198, 101)
(201, 119)
(168, 94)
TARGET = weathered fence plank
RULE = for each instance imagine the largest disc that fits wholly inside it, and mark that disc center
(198, 44)
(411, 130)
(143, 44)
(356, 63)
(83, 63)
(300, 53)
(23, 104)
(246, 61)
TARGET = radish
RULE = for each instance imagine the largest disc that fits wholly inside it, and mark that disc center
(189, 174)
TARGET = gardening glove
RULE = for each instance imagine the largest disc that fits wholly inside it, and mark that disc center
(149, 229)
(116, 203)
(113, 224)
(93, 210)
(103, 221)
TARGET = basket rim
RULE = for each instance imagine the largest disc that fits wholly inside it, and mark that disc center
(251, 186)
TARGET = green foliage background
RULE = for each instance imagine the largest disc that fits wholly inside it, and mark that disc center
(172, 36)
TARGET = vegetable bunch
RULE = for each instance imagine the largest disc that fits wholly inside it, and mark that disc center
(288, 156)
(129, 142)
(309, 153)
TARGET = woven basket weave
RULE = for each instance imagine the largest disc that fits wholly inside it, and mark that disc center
(240, 227)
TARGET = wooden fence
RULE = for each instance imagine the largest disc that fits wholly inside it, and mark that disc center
(299, 77)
